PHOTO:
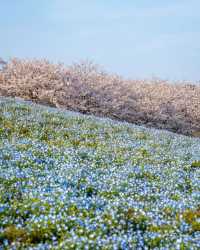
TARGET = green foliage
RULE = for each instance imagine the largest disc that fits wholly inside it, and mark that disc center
(13, 234)
(192, 217)
(195, 164)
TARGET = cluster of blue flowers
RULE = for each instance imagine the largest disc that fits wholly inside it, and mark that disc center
(69, 181)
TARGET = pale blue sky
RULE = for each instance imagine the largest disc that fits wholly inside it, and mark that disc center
(135, 38)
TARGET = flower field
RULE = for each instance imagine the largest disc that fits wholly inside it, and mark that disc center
(71, 181)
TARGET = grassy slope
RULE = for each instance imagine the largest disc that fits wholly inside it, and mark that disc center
(69, 180)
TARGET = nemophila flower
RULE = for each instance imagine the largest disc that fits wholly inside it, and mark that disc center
(3, 208)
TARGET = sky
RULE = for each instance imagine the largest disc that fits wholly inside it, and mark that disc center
(134, 38)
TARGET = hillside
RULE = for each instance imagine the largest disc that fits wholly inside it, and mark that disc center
(72, 181)
(88, 89)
